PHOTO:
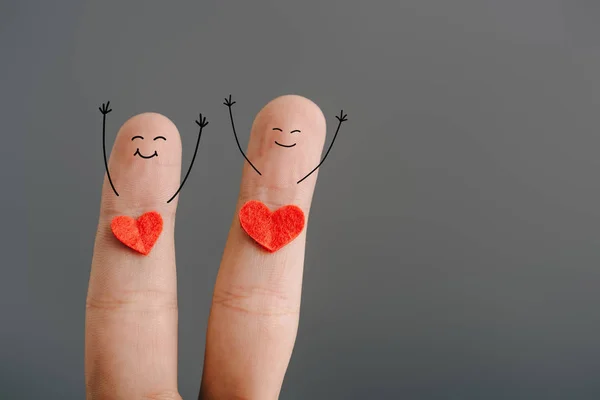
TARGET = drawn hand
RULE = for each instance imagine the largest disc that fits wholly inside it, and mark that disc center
(104, 109)
(228, 102)
(342, 117)
(202, 122)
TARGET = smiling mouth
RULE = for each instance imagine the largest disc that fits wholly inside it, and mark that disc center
(137, 152)
(283, 145)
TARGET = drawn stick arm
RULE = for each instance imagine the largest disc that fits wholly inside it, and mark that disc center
(105, 110)
(229, 103)
(202, 123)
(341, 119)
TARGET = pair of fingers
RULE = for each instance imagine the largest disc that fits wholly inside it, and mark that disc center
(131, 310)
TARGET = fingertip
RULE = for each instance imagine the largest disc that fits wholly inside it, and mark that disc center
(145, 162)
(287, 139)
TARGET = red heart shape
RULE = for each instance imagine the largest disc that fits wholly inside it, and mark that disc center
(139, 234)
(272, 230)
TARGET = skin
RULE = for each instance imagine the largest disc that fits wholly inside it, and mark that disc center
(131, 316)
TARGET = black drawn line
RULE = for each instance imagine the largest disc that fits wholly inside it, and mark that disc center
(137, 152)
(296, 130)
(137, 137)
(229, 103)
(160, 137)
(284, 145)
(341, 118)
(105, 110)
(202, 122)
(277, 129)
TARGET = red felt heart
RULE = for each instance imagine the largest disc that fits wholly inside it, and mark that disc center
(139, 234)
(272, 230)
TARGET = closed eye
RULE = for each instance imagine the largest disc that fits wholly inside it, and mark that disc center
(137, 137)
(295, 130)
(277, 129)
(160, 137)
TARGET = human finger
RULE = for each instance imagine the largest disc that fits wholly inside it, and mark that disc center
(256, 302)
(131, 308)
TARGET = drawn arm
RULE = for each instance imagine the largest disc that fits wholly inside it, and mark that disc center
(202, 122)
(105, 110)
(341, 118)
(229, 103)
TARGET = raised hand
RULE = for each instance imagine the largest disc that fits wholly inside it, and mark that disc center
(342, 117)
(202, 122)
(104, 109)
(228, 102)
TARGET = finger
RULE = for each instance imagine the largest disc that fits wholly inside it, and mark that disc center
(256, 302)
(131, 312)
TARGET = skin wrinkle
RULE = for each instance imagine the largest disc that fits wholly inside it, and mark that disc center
(245, 298)
(149, 299)
(164, 395)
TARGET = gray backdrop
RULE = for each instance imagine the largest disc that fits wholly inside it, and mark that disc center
(453, 248)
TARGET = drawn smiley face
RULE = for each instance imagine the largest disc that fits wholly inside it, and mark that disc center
(294, 132)
(145, 161)
(284, 139)
(139, 153)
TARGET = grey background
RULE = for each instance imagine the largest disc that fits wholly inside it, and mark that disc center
(453, 248)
